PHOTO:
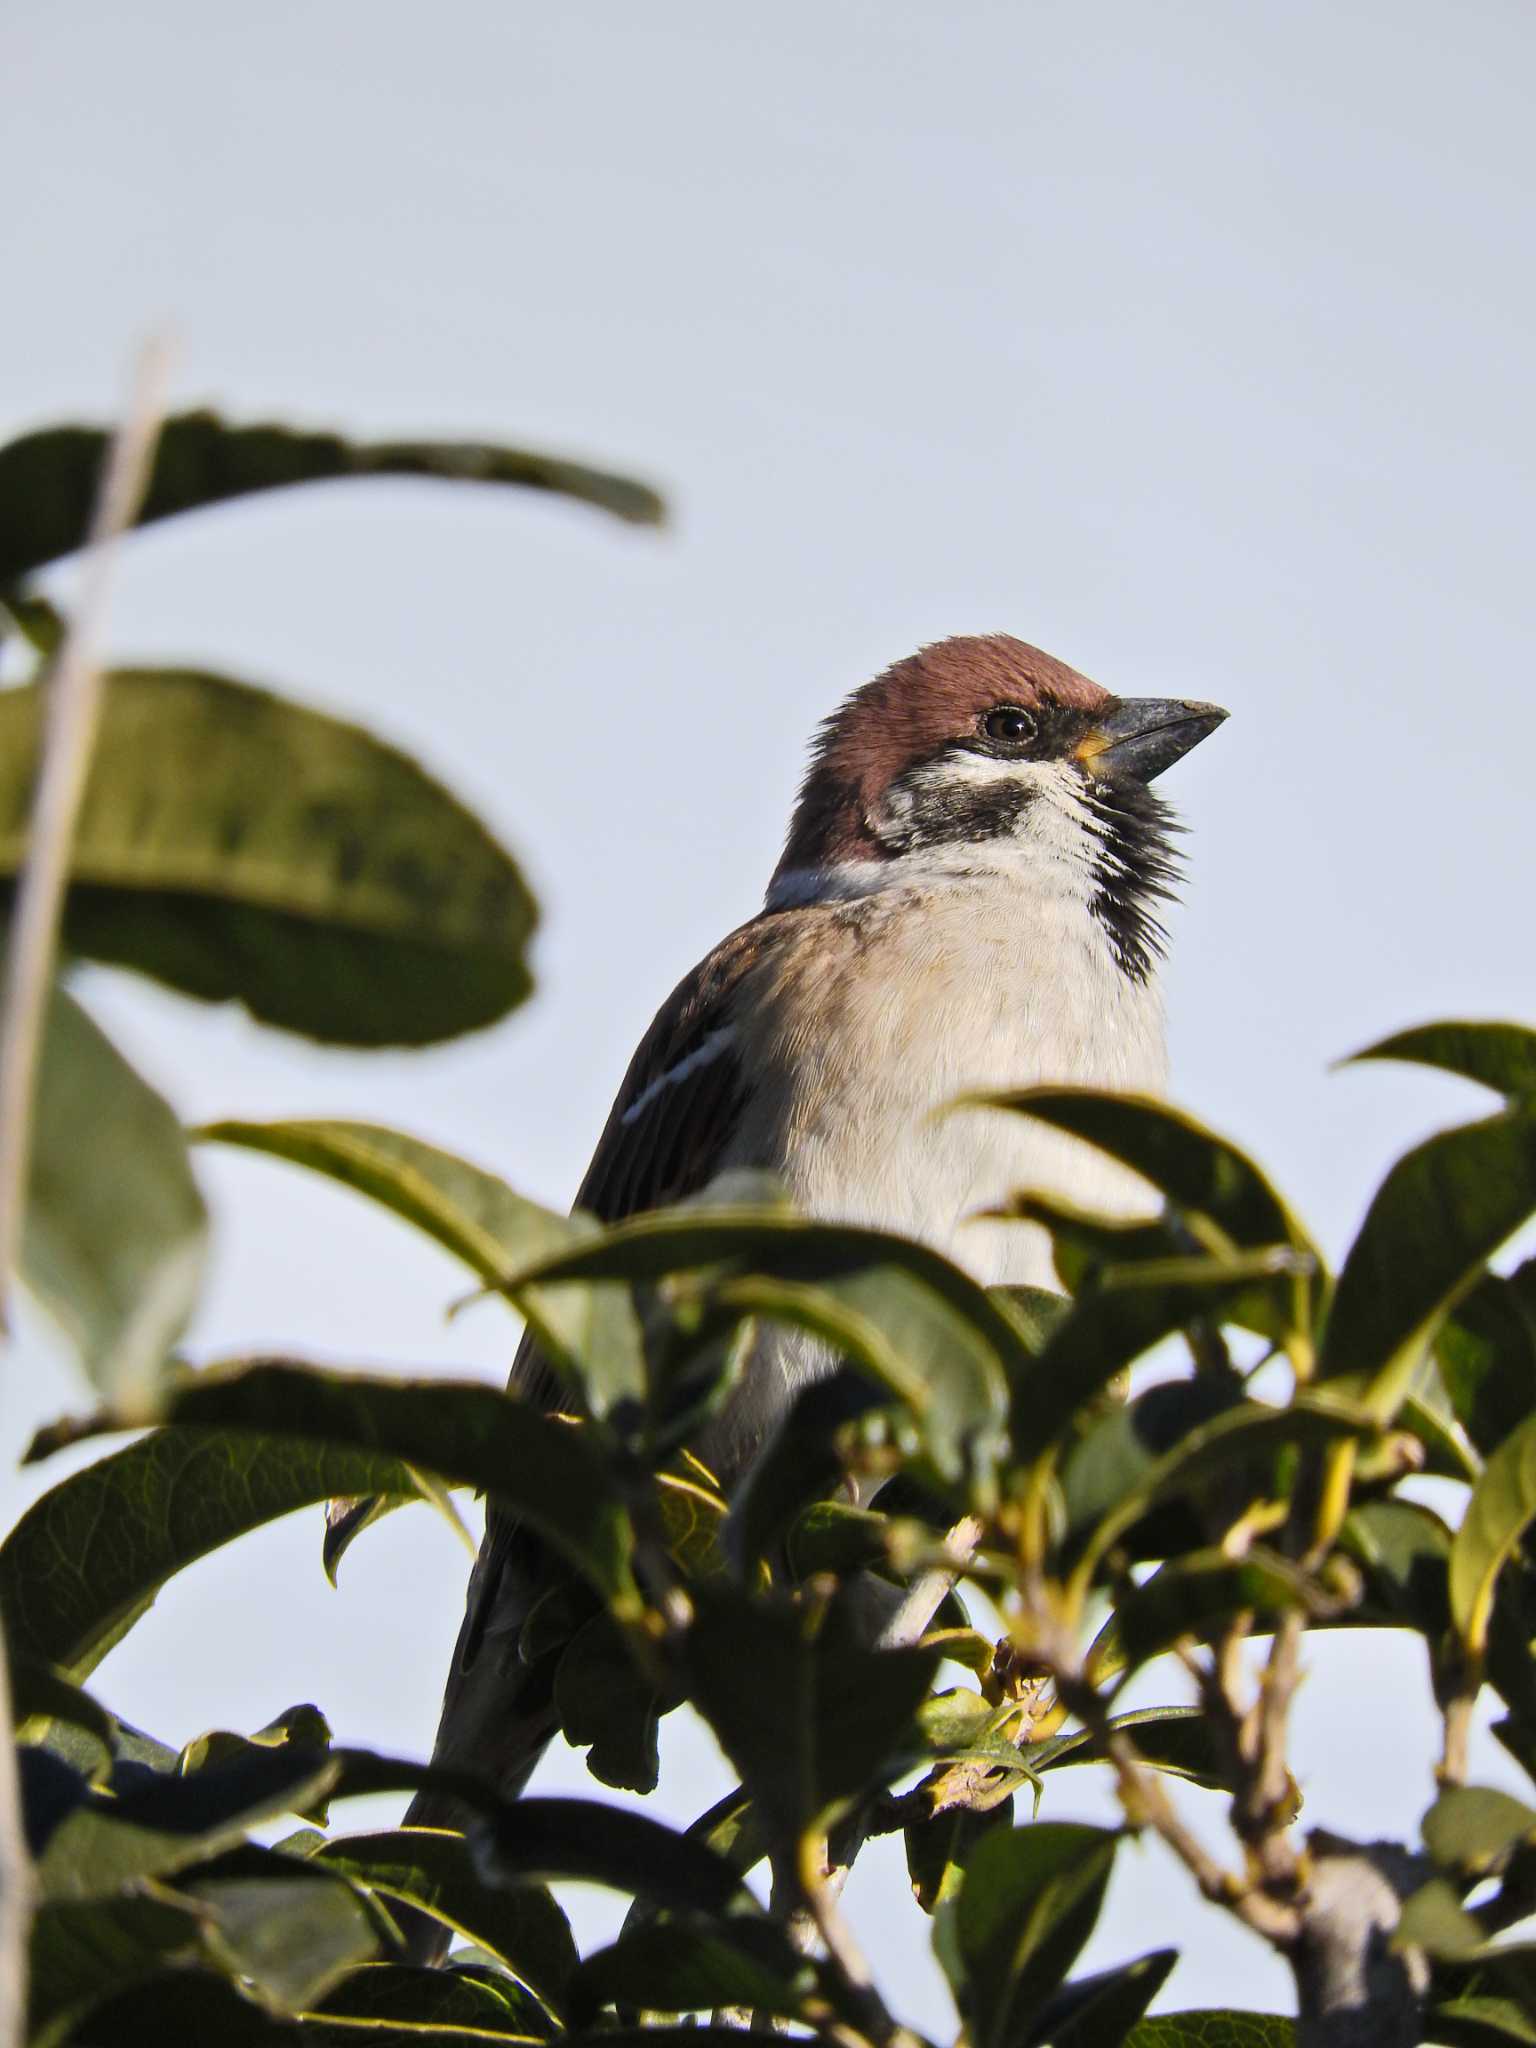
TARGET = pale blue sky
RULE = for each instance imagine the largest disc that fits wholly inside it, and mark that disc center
(1192, 342)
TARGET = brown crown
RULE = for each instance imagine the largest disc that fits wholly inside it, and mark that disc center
(906, 715)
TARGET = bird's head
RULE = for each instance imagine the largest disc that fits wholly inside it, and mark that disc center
(982, 751)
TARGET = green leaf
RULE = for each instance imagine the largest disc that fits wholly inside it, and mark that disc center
(919, 1325)
(235, 845)
(87, 1559)
(1194, 1595)
(1502, 1506)
(1439, 1215)
(1500, 1056)
(937, 1848)
(1434, 1919)
(35, 619)
(472, 1435)
(1404, 1550)
(42, 1698)
(1099, 2011)
(590, 1331)
(1479, 2022)
(157, 1824)
(281, 1924)
(1196, 1170)
(1027, 1904)
(49, 478)
(1487, 1355)
(1178, 1740)
(83, 1953)
(1118, 1451)
(115, 1234)
(807, 1723)
(435, 1870)
(1471, 1828)
(302, 1729)
(1213, 2027)
(391, 2001)
(674, 1968)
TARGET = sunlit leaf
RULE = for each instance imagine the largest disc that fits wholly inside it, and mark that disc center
(49, 478)
(1213, 2027)
(1502, 1506)
(236, 845)
(1470, 1828)
(114, 1234)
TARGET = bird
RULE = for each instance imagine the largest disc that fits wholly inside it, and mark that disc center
(968, 899)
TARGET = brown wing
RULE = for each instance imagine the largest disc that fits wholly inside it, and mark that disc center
(676, 1112)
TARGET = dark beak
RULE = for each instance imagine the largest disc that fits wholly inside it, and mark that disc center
(1142, 736)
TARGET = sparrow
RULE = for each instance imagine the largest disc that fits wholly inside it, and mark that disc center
(967, 900)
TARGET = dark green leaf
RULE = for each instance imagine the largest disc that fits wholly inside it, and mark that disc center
(1027, 1904)
(591, 1331)
(937, 1848)
(470, 1434)
(1213, 2028)
(285, 1926)
(157, 1824)
(86, 1560)
(1119, 1450)
(49, 478)
(239, 846)
(302, 1728)
(1502, 1506)
(675, 1967)
(1479, 2023)
(1404, 1550)
(1098, 2012)
(1487, 1354)
(115, 1232)
(1500, 1056)
(798, 1464)
(35, 619)
(449, 2006)
(1439, 1215)
(1471, 1828)
(42, 1698)
(1194, 1595)
(83, 1953)
(1198, 1171)
(435, 1870)
(916, 1323)
(1179, 1740)
(807, 1723)
(607, 1708)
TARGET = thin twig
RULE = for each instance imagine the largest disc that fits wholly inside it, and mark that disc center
(72, 707)
(927, 1593)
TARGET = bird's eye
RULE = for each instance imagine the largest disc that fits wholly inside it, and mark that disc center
(1008, 724)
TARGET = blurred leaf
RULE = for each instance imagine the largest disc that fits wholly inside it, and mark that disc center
(937, 1848)
(1434, 1919)
(156, 1824)
(435, 1870)
(693, 1524)
(1178, 1740)
(808, 1723)
(591, 1331)
(83, 1953)
(285, 1926)
(1470, 1828)
(1503, 1504)
(1479, 2022)
(35, 619)
(473, 1435)
(1099, 2011)
(1034, 1312)
(1405, 1551)
(608, 1708)
(235, 845)
(1213, 2028)
(1027, 1904)
(302, 1728)
(918, 1324)
(115, 1233)
(1245, 1435)
(831, 1536)
(1194, 1595)
(1120, 1448)
(797, 1464)
(87, 1559)
(437, 2006)
(49, 478)
(42, 1697)
(1439, 1215)
(1501, 1056)
(676, 1968)
(1487, 1355)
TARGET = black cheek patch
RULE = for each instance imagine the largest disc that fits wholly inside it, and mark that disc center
(944, 814)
